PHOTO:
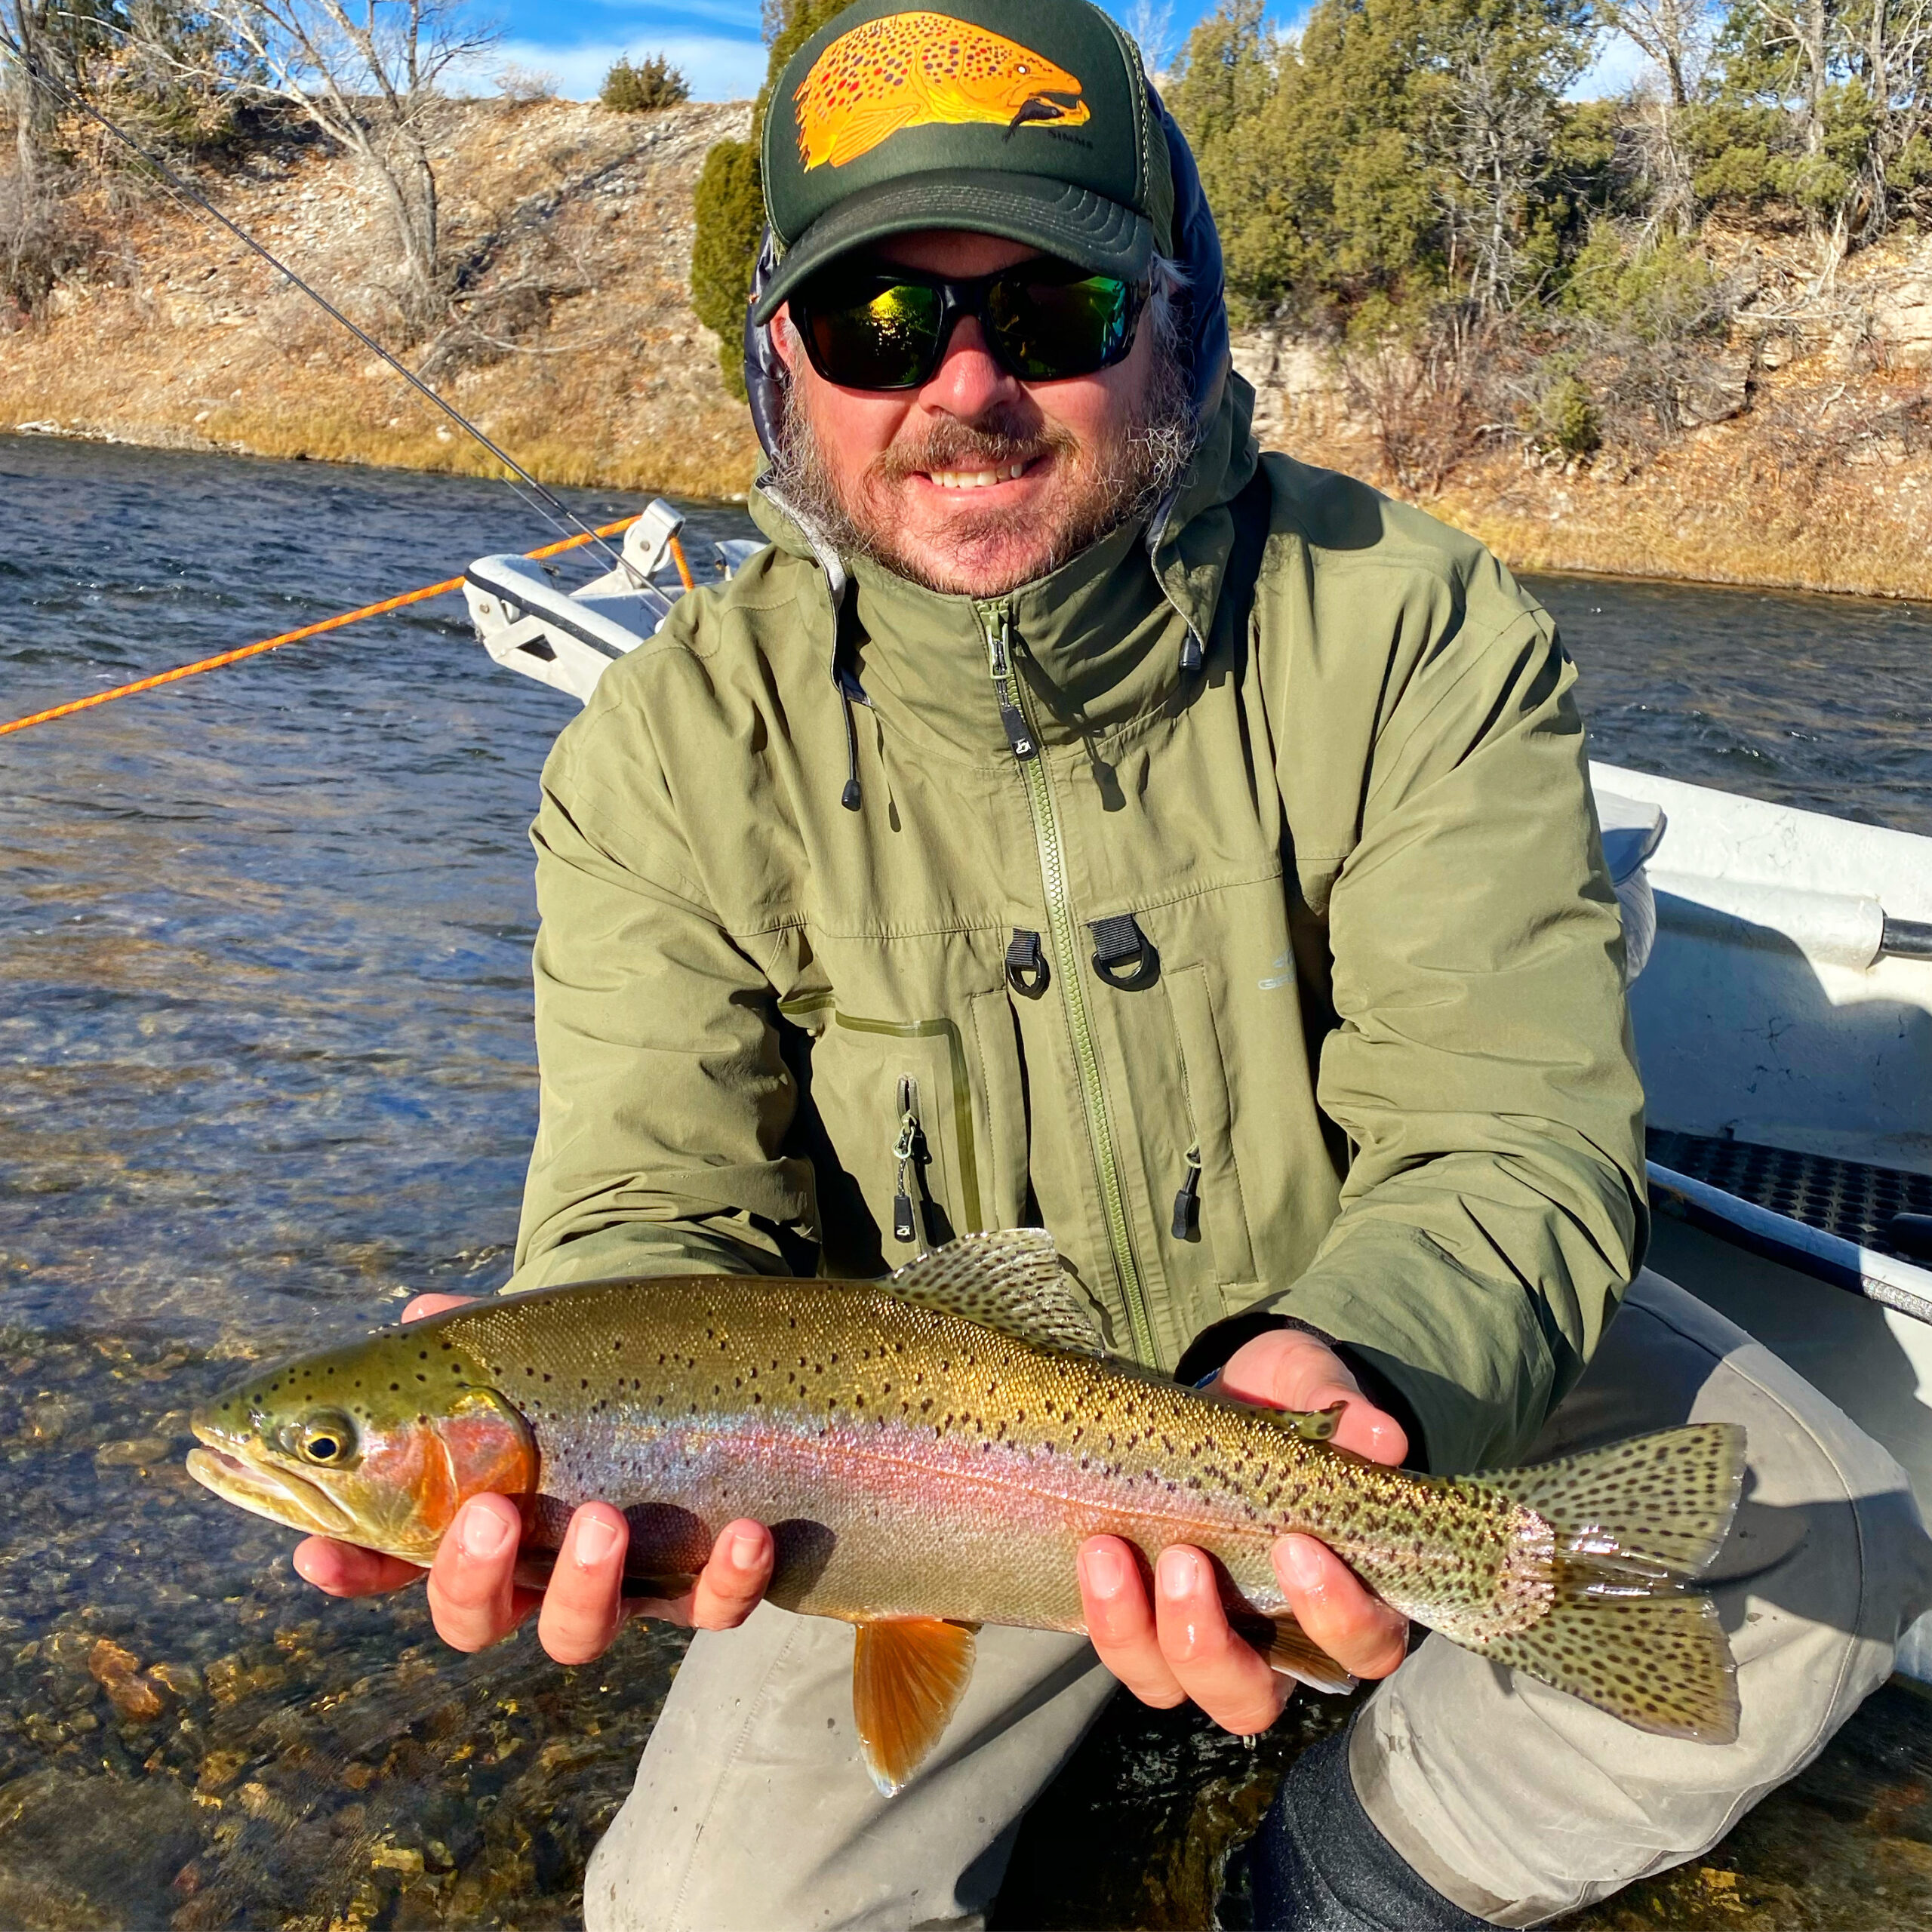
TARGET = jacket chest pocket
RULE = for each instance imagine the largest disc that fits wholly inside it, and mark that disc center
(1208, 1204)
(895, 1100)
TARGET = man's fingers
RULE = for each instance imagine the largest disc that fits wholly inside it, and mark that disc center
(1331, 1603)
(734, 1579)
(1362, 1427)
(419, 1305)
(1286, 1368)
(583, 1604)
(1222, 1672)
(472, 1596)
(345, 1570)
(1121, 1623)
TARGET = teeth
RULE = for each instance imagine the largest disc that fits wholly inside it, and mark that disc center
(977, 479)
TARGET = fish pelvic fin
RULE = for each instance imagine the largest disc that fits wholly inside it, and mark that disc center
(1010, 1279)
(1635, 1525)
(908, 1674)
(1294, 1653)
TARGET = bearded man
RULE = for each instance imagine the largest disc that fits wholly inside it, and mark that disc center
(1076, 817)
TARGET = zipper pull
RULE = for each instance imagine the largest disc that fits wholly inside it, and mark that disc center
(905, 1152)
(1019, 732)
(1187, 1202)
(903, 1229)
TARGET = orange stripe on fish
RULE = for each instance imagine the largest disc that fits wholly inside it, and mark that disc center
(924, 70)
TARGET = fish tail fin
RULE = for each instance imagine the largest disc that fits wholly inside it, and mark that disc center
(1635, 1524)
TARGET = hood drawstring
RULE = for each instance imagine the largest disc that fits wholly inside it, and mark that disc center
(851, 691)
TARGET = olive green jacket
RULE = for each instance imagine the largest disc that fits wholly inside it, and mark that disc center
(1386, 1029)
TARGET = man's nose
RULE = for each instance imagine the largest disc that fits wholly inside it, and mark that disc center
(968, 381)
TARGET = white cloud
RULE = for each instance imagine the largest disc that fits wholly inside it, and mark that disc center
(717, 67)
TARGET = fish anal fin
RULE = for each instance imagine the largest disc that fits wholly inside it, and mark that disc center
(1294, 1653)
(908, 1676)
(1010, 1279)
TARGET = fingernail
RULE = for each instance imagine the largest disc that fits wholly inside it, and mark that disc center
(481, 1532)
(1180, 1574)
(1104, 1571)
(1303, 1561)
(596, 1539)
(747, 1551)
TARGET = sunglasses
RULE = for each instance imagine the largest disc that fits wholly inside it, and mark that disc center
(875, 327)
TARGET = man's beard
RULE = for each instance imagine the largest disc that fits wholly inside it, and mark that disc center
(1100, 489)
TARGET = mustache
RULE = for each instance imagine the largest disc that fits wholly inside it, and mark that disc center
(964, 446)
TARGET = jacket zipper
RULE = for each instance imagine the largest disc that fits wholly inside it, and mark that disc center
(1025, 746)
(908, 1220)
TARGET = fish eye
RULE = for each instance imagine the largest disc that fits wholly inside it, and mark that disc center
(326, 1438)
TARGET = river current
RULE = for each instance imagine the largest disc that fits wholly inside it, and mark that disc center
(267, 1069)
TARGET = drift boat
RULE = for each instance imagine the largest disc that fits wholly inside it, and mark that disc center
(1781, 969)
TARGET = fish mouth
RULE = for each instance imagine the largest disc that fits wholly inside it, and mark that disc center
(263, 1490)
(1054, 107)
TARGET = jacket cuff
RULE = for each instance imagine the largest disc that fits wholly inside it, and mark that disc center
(640, 1250)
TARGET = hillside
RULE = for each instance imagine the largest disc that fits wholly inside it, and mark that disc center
(579, 222)
(1803, 454)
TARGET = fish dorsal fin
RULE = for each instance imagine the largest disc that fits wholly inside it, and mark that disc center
(908, 1676)
(1008, 1279)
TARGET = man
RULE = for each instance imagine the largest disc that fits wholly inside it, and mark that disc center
(1191, 852)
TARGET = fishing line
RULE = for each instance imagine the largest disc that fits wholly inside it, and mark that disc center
(564, 517)
(225, 657)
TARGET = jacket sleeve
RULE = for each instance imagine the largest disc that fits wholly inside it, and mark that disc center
(665, 1101)
(1493, 1211)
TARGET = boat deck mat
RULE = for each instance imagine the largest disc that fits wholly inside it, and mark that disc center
(1847, 1198)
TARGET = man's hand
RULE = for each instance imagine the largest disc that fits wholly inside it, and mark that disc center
(1182, 1646)
(475, 1598)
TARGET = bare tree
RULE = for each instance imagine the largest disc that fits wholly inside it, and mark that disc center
(1674, 35)
(368, 74)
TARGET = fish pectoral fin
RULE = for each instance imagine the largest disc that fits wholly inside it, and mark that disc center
(1008, 1278)
(1293, 1653)
(908, 1676)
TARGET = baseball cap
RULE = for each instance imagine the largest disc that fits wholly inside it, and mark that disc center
(1028, 119)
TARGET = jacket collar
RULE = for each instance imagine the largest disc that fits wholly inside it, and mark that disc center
(1098, 643)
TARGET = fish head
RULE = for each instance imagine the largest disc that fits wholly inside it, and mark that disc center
(379, 1444)
(987, 77)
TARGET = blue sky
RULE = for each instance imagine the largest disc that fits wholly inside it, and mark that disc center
(716, 41)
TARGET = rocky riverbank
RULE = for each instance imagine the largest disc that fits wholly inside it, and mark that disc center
(1801, 453)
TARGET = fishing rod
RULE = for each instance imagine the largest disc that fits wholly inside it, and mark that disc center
(546, 504)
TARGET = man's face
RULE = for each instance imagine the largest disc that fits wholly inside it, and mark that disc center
(977, 482)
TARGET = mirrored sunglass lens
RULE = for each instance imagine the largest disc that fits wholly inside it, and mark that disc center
(879, 337)
(1049, 330)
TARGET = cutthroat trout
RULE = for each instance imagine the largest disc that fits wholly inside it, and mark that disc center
(930, 1451)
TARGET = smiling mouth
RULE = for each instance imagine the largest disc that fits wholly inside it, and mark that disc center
(281, 1496)
(976, 479)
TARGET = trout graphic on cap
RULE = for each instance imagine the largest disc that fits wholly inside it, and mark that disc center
(1028, 119)
(923, 70)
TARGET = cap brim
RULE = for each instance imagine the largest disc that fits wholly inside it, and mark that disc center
(1074, 223)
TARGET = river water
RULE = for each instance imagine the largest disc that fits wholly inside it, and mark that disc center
(264, 1037)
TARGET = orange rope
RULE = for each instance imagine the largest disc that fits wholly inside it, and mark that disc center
(308, 630)
(677, 557)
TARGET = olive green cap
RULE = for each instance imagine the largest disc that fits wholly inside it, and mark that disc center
(1029, 122)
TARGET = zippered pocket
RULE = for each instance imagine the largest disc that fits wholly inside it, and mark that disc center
(1209, 1196)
